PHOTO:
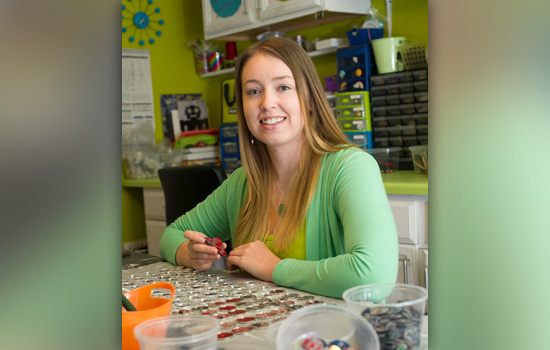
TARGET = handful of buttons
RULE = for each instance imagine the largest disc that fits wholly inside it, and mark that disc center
(319, 344)
(216, 242)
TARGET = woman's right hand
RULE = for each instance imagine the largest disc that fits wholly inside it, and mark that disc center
(195, 253)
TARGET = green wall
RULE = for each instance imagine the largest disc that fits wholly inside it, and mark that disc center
(173, 70)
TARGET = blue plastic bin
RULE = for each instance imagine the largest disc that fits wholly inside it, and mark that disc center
(364, 36)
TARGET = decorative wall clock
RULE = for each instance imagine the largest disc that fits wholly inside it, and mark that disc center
(139, 21)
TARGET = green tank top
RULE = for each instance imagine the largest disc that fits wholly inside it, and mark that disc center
(297, 249)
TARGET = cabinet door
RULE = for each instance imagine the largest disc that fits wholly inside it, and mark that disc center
(220, 15)
(285, 10)
(153, 202)
(404, 214)
(154, 230)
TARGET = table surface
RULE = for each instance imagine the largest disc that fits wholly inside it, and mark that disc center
(196, 293)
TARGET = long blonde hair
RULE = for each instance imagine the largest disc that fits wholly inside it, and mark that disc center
(322, 135)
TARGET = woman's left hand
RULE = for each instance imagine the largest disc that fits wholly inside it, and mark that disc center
(255, 258)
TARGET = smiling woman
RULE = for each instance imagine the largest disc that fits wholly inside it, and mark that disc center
(307, 210)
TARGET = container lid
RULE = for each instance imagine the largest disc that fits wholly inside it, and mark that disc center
(418, 148)
(384, 150)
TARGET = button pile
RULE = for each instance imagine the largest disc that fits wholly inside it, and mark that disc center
(242, 307)
(398, 328)
(319, 344)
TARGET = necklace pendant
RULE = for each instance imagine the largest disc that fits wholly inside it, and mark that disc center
(281, 210)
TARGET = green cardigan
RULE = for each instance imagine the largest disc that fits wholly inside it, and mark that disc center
(351, 238)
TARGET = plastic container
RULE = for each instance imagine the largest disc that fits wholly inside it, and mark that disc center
(331, 83)
(328, 322)
(419, 156)
(178, 332)
(387, 158)
(395, 310)
(147, 308)
(364, 35)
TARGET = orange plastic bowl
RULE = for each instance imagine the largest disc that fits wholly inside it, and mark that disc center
(147, 308)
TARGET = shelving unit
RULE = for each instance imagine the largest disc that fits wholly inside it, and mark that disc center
(311, 54)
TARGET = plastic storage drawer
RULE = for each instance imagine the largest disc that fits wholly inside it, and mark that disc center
(379, 121)
(381, 142)
(354, 124)
(230, 148)
(229, 131)
(352, 112)
(362, 139)
(345, 99)
(421, 118)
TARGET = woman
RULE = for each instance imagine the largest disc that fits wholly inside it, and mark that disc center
(307, 210)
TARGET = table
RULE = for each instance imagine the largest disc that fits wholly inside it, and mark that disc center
(248, 309)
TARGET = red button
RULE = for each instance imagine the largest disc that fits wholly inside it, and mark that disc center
(236, 312)
(223, 335)
(241, 330)
(228, 307)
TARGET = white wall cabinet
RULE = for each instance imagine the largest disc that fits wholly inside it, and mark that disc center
(242, 20)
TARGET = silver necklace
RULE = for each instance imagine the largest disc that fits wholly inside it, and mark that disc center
(282, 207)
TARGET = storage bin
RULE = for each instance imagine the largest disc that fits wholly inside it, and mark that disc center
(405, 76)
(352, 112)
(410, 140)
(391, 78)
(395, 130)
(396, 140)
(407, 119)
(394, 120)
(421, 107)
(229, 130)
(421, 118)
(422, 129)
(408, 108)
(231, 163)
(362, 139)
(345, 99)
(382, 131)
(364, 35)
(378, 101)
(420, 74)
(379, 111)
(407, 98)
(379, 121)
(354, 124)
(230, 148)
(392, 89)
(387, 158)
(331, 99)
(421, 96)
(394, 110)
(381, 142)
(393, 99)
(377, 80)
(406, 87)
(409, 129)
(377, 90)
(420, 85)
